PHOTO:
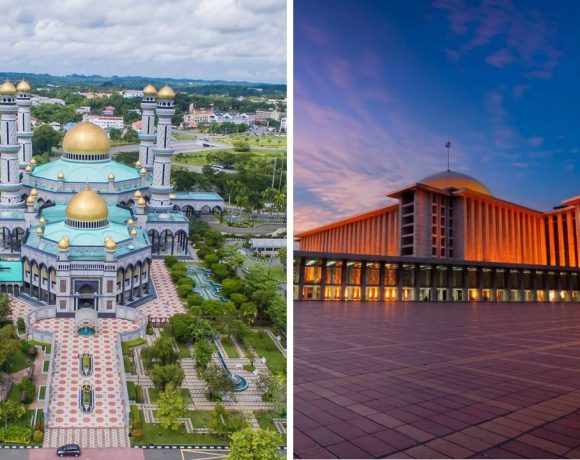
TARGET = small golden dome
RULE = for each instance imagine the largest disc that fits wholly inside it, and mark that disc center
(166, 93)
(142, 171)
(149, 90)
(137, 194)
(130, 222)
(141, 202)
(42, 220)
(30, 201)
(133, 232)
(64, 243)
(86, 137)
(7, 88)
(87, 206)
(23, 87)
(452, 180)
(137, 164)
(39, 231)
(111, 176)
(60, 175)
(33, 161)
(172, 195)
(28, 169)
(110, 244)
(34, 192)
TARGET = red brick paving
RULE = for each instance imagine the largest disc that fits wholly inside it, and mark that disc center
(435, 380)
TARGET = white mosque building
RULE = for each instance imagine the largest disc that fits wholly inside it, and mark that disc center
(85, 226)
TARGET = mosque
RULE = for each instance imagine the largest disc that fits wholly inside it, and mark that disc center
(447, 238)
(85, 226)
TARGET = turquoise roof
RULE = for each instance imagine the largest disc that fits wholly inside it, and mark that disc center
(85, 171)
(11, 271)
(204, 196)
(57, 213)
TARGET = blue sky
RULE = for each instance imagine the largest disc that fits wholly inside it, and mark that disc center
(380, 85)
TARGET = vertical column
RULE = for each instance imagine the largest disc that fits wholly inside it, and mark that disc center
(343, 280)
(433, 282)
(147, 134)
(23, 123)
(382, 282)
(399, 282)
(363, 280)
(10, 185)
(323, 279)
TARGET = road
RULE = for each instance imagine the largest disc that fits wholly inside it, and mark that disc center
(257, 230)
(179, 146)
(116, 454)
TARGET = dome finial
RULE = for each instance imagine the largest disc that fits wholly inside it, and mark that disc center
(448, 146)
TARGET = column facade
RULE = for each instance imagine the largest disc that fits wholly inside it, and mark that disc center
(147, 134)
(23, 124)
(10, 186)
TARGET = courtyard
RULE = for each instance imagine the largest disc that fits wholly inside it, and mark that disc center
(436, 380)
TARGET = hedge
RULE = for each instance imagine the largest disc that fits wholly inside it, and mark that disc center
(132, 393)
(136, 420)
(138, 394)
(15, 434)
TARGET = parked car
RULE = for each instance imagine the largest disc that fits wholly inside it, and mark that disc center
(69, 450)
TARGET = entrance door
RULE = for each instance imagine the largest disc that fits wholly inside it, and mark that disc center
(86, 299)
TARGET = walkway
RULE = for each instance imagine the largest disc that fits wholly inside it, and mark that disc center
(167, 302)
(435, 380)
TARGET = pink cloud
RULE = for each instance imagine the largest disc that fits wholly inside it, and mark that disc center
(500, 58)
(315, 34)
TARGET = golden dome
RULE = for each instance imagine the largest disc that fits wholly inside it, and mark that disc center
(87, 206)
(166, 93)
(137, 194)
(110, 244)
(30, 201)
(141, 202)
(60, 175)
(33, 161)
(137, 164)
(34, 192)
(130, 222)
(452, 180)
(149, 90)
(64, 243)
(111, 176)
(142, 171)
(86, 137)
(28, 169)
(42, 220)
(133, 232)
(23, 87)
(7, 88)
(172, 195)
(39, 231)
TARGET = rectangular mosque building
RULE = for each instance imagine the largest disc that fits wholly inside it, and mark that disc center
(447, 239)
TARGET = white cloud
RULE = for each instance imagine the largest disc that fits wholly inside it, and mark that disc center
(206, 39)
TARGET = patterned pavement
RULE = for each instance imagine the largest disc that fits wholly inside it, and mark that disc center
(168, 302)
(436, 380)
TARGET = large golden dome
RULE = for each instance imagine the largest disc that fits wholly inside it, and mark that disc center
(452, 180)
(166, 93)
(23, 87)
(149, 90)
(87, 206)
(87, 138)
(7, 88)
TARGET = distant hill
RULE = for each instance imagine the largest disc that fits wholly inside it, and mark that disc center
(232, 88)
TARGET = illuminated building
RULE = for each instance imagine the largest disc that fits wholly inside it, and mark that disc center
(447, 238)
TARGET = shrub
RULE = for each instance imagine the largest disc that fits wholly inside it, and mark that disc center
(137, 434)
(37, 436)
(132, 393)
(184, 290)
(170, 261)
(194, 299)
(136, 420)
(149, 329)
(15, 434)
(27, 390)
(21, 326)
(138, 394)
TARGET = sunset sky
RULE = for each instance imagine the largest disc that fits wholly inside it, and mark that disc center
(379, 86)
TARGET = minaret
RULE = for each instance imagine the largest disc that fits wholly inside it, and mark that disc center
(147, 134)
(10, 185)
(161, 187)
(23, 124)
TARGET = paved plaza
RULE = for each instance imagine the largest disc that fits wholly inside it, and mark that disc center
(167, 302)
(436, 380)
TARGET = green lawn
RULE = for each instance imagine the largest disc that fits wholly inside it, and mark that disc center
(45, 346)
(16, 362)
(199, 418)
(155, 434)
(183, 351)
(265, 347)
(45, 366)
(126, 346)
(129, 368)
(265, 421)
(277, 273)
(42, 392)
(154, 395)
(258, 141)
(184, 135)
(229, 347)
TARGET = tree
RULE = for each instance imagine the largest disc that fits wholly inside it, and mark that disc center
(266, 384)
(161, 352)
(5, 310)
(11, 411)
(277, 312)
(179, 327)
(10, 344)
(248, 312)
(260, 287)
(282, 253)
(219, 422)
(218, 381)
(251, 444)
(131, 136)
(171, 407)
(231, 286)
(202, 351)
(44, 139)
(201, 329)
(165, 375)
(115, 134)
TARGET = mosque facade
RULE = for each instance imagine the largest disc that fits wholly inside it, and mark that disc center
(447, 238)
(85, 226)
